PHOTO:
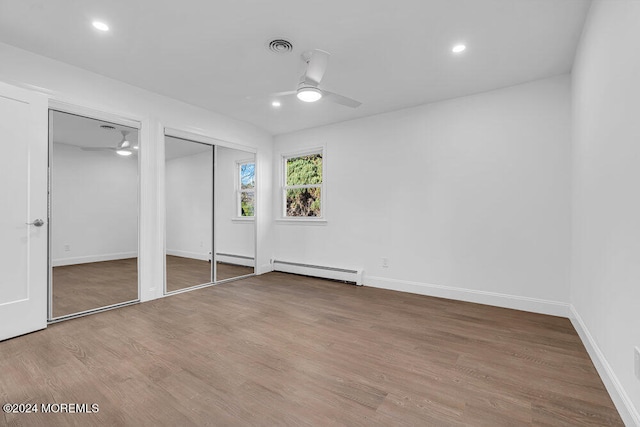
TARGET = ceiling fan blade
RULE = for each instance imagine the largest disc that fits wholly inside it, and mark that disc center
(270, 96)
(316, 66)
(97, 148)
(279, 94)
(339, 99)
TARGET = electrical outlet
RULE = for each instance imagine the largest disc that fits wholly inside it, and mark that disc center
(636, 359)
(67, 248)
(385, 262)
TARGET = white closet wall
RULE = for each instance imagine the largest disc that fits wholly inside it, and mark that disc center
(94, 210)
(189, 189)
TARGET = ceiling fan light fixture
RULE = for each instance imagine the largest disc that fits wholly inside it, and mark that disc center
(458, 48)
(124, 152)
(100, 26)
(309, 94)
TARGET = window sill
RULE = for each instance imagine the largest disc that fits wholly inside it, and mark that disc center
(243, 220)
(301, 221)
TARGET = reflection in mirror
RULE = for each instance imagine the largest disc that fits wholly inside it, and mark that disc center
(235, 212)
(94, 214)
(189, 215)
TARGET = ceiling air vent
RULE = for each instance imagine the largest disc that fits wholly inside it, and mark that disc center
(107, 127)
(280, 46)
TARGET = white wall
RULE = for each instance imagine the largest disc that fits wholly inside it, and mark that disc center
(605, 285)
(189, 197)
(467, 198)
(234, 237)
(70, 84)
(94, 208)
(189, 194)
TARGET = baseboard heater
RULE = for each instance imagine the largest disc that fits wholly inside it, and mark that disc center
(335, 273)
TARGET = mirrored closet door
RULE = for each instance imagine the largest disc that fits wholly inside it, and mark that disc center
(235, 213)
(189, 213)
(210, 210)
(93, 241)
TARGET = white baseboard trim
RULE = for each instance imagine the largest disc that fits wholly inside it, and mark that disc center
(243, 260)
(535, 305)
(265, 268)
(92, 258)
(186, 254)
(621, 399)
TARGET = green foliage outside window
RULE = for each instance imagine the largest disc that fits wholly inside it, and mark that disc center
(304, 171)
(247, 203)
(247, 189)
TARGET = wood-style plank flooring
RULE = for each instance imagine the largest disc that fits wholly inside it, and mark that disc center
(280, 349)
(187, 272)
(229, 271)
(82, 287)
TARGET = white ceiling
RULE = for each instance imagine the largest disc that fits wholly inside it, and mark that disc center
(85, 132)
(386, 54)
(79, 131)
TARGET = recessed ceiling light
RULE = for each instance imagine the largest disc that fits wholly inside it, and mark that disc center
(276, 103)
(100, 26)
(309, 94)
(458, 48)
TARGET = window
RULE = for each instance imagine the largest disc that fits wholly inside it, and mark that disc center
(246, 189)
(303, 185)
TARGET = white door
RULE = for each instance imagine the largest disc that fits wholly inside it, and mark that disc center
(23, 211)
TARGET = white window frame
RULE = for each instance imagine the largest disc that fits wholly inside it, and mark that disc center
(239, 190)
(284, 187)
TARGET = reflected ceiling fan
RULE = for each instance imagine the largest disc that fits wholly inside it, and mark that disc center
(308, 90)
(123, 148)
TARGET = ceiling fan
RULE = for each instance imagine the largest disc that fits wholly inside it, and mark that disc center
(308, 89)
(123, 148)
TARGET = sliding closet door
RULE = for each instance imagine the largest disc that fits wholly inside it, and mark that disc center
(189, 213)
(235, 210)
(94, 214)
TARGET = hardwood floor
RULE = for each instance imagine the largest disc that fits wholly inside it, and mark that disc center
(280, 349)
(187, 272)
(82, 287)
(229, 271)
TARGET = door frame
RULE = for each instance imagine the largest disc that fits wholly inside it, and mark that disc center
(115, 118)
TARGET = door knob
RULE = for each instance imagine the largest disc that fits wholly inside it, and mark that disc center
(37, 223)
